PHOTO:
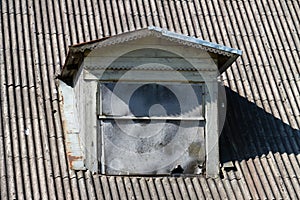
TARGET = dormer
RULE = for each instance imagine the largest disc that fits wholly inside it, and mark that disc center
(145, 103)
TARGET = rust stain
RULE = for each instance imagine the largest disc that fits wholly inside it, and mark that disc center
(73, 159)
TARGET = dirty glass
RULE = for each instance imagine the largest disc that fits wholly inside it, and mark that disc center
(151, 128)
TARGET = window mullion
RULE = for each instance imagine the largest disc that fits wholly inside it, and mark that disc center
(153, 118)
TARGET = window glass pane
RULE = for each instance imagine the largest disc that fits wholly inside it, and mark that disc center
(151, 147)
(151, 99)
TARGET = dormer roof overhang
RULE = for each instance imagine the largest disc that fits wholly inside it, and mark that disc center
(223, 55)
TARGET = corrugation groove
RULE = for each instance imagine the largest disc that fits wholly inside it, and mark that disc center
(272, 178)
(49, 136)
(290, 190)
(110, 18)
(144, 188)
(74, 185)
(257, 150)
(31, 125)
(181, 18)
(78, 25)
(121, 188)
(168, 189)
(198, 188)
(276, 41)
(22, 90)
(4, 192)
(245, 30)
(85, 21)
(241, 183)
(142, 14)
(103, 19)
(91, 19)
(289, 55)
(82, 185)
(258, 165)
(200, 17)
(215, 22)
(188, 19)
(113, 187)
(41, 125)
(278, 176)
(240, 44)
(195, 25)
(70, 22)
(79, 28)
(155, 14)
(173, 16)
(37, 131)
(123, 16)
(220, 25)
(105, 187)
(96, 24)
(98, 187)
(265, 182)
(169, 18)
(61, 35)
(13, 93)
(116, 16)
(240, 151)
(270, 146)
(136, 188)
(174, 187)
(128, 14)
(214, 190)
(160, 18)
(221, 189)
(279, 179)
(288, 69)
(90, 185)
(190, 188)
(19, 108)
(145, 7)
(182, 188)
(229, 189)
(254, 174)
(135, 13)
(207, 15)
(292, 145)
(288, 29)
(3, 181)
(264, 145)
(48, 96)
(129, 188)
(159, 188)
(206, 189)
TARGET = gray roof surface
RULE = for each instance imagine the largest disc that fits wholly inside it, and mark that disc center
(261, 135)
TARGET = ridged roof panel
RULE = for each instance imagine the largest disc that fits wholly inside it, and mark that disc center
(261, 135)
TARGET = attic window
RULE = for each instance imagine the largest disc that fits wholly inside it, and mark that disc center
(151, 128)
(144, 102)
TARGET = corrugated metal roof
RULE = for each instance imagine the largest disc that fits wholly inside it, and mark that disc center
(261, 135)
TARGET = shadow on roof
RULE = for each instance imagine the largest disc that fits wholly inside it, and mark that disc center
(250, 132)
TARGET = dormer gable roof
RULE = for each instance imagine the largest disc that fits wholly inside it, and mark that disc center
(223, 56)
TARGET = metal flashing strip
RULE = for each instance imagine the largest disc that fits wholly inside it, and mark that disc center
(158, 32)
(190, 39)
